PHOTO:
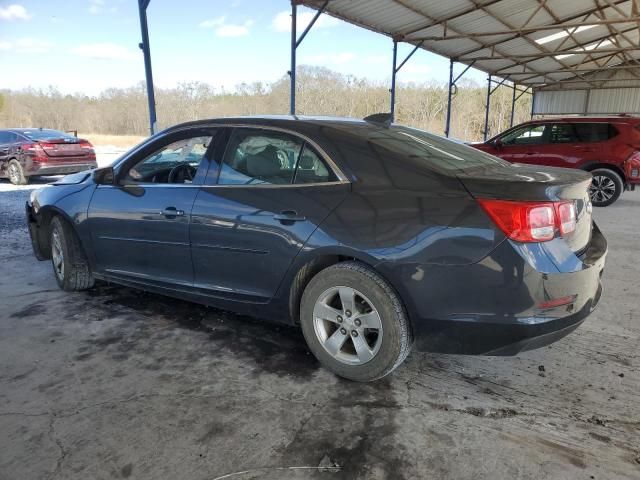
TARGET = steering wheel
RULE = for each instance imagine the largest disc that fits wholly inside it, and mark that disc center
(181, 173)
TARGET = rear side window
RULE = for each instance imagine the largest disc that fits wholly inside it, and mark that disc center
(562, 133)
(594, 132)
(5, 137)
(258, 157)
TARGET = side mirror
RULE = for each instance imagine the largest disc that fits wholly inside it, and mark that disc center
(104, 176)
(498, 144)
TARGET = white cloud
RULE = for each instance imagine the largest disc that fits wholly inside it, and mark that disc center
(99, 6)
(223, 29)
(327, 58)
(104, 51)
(14, 12)
(377, 60)
(26, 45)
(214, 22)
(282, 21)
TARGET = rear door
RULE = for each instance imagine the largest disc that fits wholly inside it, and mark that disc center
(251, 218)
(563, 148)
(140, 226)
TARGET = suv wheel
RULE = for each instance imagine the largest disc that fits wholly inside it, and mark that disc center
(354, 323)
(70, 265)
(605, 188)
(16, 173)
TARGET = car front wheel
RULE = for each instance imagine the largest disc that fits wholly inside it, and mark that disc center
(354, 322)
(605, 188)
(70, 265)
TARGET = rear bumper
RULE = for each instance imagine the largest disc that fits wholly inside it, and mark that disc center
(59, 169)
(504, 304)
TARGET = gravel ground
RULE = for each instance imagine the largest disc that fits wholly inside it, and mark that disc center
(113, 383)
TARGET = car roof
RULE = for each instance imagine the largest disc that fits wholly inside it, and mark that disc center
(601, 119)
(275, 120)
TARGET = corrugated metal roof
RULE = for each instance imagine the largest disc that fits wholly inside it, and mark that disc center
(531, 42)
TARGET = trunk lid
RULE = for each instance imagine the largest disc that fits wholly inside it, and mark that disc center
(64, 147)
(534, 183)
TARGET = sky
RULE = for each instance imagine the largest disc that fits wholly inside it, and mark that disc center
(86, 46)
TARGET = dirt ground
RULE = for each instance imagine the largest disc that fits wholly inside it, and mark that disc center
(114, 383)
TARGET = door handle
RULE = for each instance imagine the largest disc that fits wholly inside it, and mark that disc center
(289, 216)
(172, 212)
(530, 153)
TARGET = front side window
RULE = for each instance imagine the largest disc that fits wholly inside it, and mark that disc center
(262, 157)
(177, 162)
(529, 135)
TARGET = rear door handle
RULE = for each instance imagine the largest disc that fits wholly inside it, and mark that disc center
(172, 212)
(289, 216)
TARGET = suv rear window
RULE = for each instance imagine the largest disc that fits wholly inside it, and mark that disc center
(594, 132)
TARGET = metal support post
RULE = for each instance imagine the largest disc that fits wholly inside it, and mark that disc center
(146, 51)
(451, 85)
(513, 105)
(486, 110)
(394, 70)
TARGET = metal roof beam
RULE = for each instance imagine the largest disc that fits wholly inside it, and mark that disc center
(538, 56)
(523, 31)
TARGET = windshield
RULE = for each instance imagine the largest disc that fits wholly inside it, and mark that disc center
(46, 134)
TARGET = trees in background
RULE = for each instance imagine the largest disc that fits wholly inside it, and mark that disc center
(123, 111)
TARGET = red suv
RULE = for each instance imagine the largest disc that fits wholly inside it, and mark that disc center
(608, 147)
(26, 152)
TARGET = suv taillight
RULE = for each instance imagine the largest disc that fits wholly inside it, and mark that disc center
(531, 221)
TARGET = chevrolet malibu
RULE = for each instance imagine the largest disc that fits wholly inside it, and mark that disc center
(372, 237)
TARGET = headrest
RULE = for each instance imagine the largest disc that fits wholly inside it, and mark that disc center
(264, 164)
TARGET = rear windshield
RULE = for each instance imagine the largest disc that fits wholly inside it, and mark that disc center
(46, 134)
(436, 151)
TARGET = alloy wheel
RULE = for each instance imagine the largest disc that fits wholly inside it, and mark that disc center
(57, 255)
(602, 189)
(14, 173)
(347, 325)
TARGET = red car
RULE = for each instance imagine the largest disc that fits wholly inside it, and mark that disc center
(608, 147)
(26, 152)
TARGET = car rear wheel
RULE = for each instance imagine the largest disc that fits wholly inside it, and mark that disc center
(354, 322)
(70, 265)
(16, 174)
(605, 188)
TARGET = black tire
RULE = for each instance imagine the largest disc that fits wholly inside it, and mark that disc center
(71, 270)
(396, 335)
(15, 173)
(606, 187)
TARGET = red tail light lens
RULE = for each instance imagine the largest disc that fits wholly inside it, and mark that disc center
(567, 217)
(531, 221)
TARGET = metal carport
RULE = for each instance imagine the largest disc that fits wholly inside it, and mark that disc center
(536, 46)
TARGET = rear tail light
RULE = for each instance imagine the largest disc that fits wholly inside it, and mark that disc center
(531, 221)
(632, 165)
(35, 149)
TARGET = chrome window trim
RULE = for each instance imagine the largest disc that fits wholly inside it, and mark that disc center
(342, 178)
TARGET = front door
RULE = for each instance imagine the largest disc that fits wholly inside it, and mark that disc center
(272, 192)
(140, 225)
(523, 144)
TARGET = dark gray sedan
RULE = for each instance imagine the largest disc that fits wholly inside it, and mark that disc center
(372, 237)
